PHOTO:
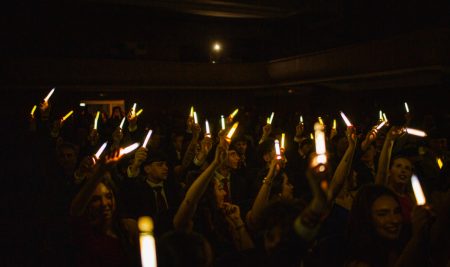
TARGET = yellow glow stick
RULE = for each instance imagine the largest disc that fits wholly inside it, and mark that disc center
(418, 193)
(406, 107)
(33, 110)
(231, 132)
(207, 131)
(415, 132)
(191, 114)
(100, 151)
(139, 112)
(147, 242)
(222, 122)
(122, 123)
(311, 136)
(49, 95)
(277, 149)
(269, 121)
(319, 138)
(195, 118)
(380, 115)
(234, 113)
(334, 124)
(96, 120)
(301, 119)
(346, 120)
(129, 149)
(385, 117)
(147, 138)
(320, 120)
(67, 115)
(381, 125)
(439, 162)
(283, 136)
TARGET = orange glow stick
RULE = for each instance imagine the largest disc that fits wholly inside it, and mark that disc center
(234, 113)
(277, 149)
(147, 138)
(49, 95)
(147, 241)
(33, 110)
(231, 132)
(418, 193)
(415, 132)
(346, 120)
(67, 116)
(129, 149)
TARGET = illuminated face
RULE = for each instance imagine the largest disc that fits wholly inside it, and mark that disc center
(400, 171)
(219, 193)
(157, 171)
(102, 205)
(67, 158)
(233, 159)
(387, 217)
(287, 189)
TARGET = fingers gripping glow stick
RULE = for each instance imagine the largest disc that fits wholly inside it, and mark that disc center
(381, 125)
(33, 110)
(96, 120)
(222, 122)
(269, 120)
(406, 107)
(147, 242)
(139, 112)
(415, 132)
(129, 149)
(346, 120)
(100, 151)
(277, 149)
(122, 123)
(283, 137)
(418, 193)
(231, 132)
(49, 95)
(147, 138)
(195, 118)
(234, 113)
(207, 131)
(320, 143)
(67, 116)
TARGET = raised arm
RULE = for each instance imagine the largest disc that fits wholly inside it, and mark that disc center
(190, 151)
(186, 211)
(385, 155)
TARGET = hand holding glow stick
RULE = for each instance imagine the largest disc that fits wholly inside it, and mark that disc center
(67, 116)
(96, 120)
(320, 143)
(346, 120)
(277, 149)
(231, 132)
(122, 123)
(406, 107)
(144, 145)
(418, 193)
(147, 241)
(207, 131)
(415, 132)
(235, 112)
(49, 95)
(128, 149)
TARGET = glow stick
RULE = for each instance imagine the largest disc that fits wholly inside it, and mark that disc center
(49, 95)
(133, 110)
(139, 112)
(277, 149)
(33, 110)
(147, 138)
(334, 124)
(406, 107)
(380, 116)
(415, 132)
(418, 193)
(282, 140)
(439, 162)
(82, 104)
(67, 115)
(222, 122)
(122, 123)
(269, 121)
(191, 114)
(147, 242)
(320, 120)
(381, 125)
(319, 138)
(347, 122)
(96, 120)
(234, 113)
(301, 119)
(385, 117)
(231, 132)
(311, 136)
(207, 133)
(129, 149)
(100, 151)
(195, 118)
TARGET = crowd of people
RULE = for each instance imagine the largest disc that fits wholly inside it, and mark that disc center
(218, 200)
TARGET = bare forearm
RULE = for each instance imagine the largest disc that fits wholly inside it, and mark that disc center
(342, 171)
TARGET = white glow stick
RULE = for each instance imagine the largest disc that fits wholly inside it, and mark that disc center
(82, 104)
(269, 121)
(381, 125)
(147, 138)
(301, 119)
(283, 136)
(67, 116)
(231, 132)
(418, 193)
(133, 110)
(33, 110)
(415, 132)
(96, 120)
(346, 120)
(385, 117)
(234, 113)
(195, 118)
(277, 149)
(122, 123)
(129, 149)
(207, 131)
(319, 138)
(380, 115)
(100, 150)
(147, 242)
(49, 95)
(439, 162)
(406, 107)
(222, 122)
